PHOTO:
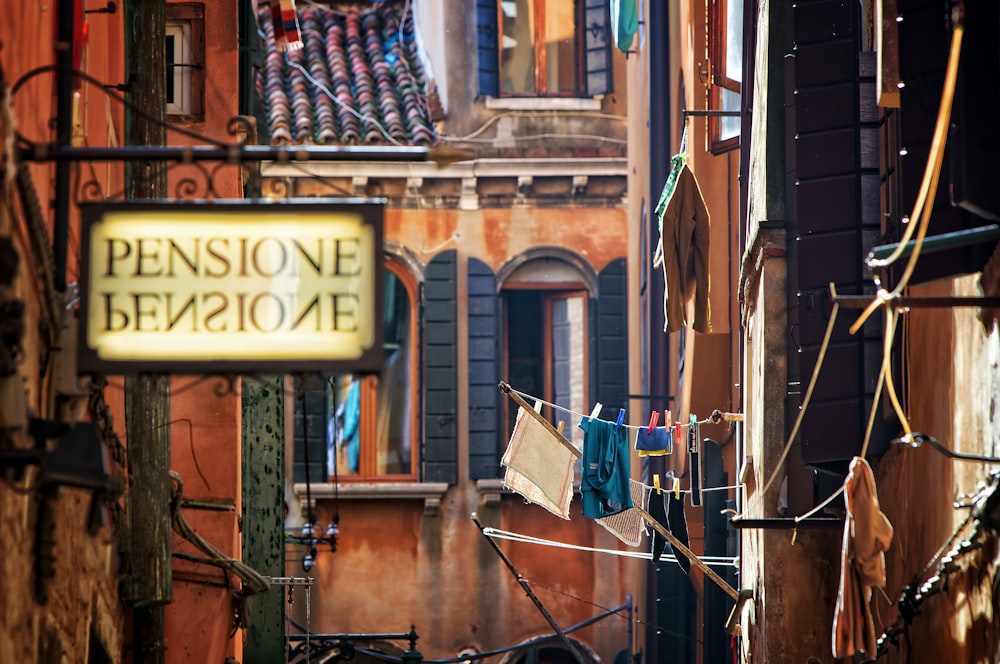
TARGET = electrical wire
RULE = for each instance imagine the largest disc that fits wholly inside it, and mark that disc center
(326, 91)
(805, 399)
(496, 533)
(928, 187)
(529, 397)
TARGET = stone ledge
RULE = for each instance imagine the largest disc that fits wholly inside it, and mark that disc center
(430, 492)
(491, 490)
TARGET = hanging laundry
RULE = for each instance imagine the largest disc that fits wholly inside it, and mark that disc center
(628, 526)
(624, 23)
(656, 443)
(538, 466)
(349, 412)
(604, 483)
(285, 19)
(668, 510)
(694, 452)
(683, 248)
(867, 536)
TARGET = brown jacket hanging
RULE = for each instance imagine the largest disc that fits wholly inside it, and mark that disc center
(867, 536)
(685, 255)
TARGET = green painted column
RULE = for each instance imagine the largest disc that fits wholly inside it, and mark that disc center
(264, 513)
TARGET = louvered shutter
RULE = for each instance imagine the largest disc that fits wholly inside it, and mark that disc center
(487, 48)
(484, 372)
(440, 375)
(611, 338)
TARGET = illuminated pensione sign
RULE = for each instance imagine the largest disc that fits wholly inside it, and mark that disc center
(231, 287)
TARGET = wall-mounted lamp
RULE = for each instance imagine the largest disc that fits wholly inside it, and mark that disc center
(312, 538)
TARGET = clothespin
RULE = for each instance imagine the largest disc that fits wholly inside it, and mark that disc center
(668, 420)
(621, 418)
(538, 406)
(562, 425)
(597, 411)
(656, 484)
(677, 488)
(677, 431)
(653, 419)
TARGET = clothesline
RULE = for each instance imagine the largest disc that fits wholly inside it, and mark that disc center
(496, 533)
(715, 417)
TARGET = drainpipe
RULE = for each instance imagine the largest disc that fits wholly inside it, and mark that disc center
(64, 133)
(659, 159)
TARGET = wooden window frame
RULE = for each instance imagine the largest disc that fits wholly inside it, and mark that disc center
(551, 292)
(718, 79)
(368, 415)
(541, 68)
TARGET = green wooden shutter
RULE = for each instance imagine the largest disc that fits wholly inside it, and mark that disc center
(440, 370)
(612, 338)
(484, 372)
(316, 421)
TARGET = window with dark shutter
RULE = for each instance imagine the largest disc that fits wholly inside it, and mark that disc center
(543, 48)
(440, 375)
(612, 336)
(484, 373)
(487, 48)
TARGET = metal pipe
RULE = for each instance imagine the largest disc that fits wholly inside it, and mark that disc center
(530, 593)
(233, 154)
(940, 242)
(64, 134)
(788, 523)
(928, 302)
(710, 114)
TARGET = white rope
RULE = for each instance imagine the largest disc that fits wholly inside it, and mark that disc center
(720, 561)
(636, 427)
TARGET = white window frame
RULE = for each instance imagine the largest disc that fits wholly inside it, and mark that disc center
(181, 73)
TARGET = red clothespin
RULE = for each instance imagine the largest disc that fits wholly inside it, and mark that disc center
(653, 419)
(677, 430)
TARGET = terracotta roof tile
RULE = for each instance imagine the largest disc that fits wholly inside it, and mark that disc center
(353, 63)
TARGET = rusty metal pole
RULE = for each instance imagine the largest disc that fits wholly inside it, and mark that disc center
(147, 395)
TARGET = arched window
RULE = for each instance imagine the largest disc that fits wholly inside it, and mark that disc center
(372, 420)
(546, 317)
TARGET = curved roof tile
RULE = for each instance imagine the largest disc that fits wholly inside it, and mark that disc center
(358, 79)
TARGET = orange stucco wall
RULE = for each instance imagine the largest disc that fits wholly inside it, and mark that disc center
(82, 608)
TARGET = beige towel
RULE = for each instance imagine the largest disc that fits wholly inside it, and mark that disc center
(867, 536)
(628, 526)
(539, 466)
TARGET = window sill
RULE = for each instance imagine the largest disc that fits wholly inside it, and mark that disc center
(543, 103)
(430, 492)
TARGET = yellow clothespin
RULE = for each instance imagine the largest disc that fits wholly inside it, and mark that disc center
(656, 484)
(562, 424)
(677, 488)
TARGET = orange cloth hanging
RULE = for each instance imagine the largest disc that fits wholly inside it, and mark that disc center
(867, 536)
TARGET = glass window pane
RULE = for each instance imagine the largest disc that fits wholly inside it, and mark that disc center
(392, 394)
(394, 407)
(560, 46)
(568, 369)
(344, 426)
(517, 50)
(734, 40)
(729, 127)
